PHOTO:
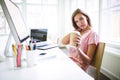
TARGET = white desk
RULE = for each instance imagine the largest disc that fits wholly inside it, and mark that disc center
(58, 67)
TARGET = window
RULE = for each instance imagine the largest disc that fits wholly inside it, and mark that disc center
(110, 25)
(93, 13)
(3, 24)
(40, 13)
(110, 21)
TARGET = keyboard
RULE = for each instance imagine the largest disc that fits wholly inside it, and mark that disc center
(45, 45)
(41, 44)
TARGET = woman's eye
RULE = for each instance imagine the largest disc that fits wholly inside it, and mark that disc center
(76, 21)
(81, 19)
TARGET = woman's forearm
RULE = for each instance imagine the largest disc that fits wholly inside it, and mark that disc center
(84, 56)
(65, 39)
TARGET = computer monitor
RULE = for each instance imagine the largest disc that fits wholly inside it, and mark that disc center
(15, 21)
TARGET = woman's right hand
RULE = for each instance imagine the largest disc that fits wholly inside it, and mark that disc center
(77, 40)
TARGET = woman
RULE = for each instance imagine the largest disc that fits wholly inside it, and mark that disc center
(83, 53)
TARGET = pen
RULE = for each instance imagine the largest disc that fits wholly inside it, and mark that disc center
(14, 50)
(19, 55)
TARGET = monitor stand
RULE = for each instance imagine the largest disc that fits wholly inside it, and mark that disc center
(7, 52)
(8, 47)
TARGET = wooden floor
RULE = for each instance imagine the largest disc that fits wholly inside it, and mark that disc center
(103, 77)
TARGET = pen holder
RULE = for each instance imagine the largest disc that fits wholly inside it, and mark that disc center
(31, 46)
(17, 51)
(31, 58)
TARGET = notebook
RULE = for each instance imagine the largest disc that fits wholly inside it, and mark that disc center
(40, 36)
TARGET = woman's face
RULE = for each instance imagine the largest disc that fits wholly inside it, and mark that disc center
(81, 21)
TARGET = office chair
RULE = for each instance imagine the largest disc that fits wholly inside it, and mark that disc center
(97, 60)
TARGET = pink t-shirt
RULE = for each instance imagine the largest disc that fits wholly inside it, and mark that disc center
(88, 38)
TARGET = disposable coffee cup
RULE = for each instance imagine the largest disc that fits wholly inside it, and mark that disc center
(73, 35)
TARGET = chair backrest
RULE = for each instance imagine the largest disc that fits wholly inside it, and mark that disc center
(97, 60)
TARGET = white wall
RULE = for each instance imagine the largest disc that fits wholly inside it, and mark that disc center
(111, 64)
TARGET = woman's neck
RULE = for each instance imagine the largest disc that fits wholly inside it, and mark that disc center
(85, 30)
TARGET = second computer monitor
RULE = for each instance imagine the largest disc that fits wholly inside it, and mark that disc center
(39, 35)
